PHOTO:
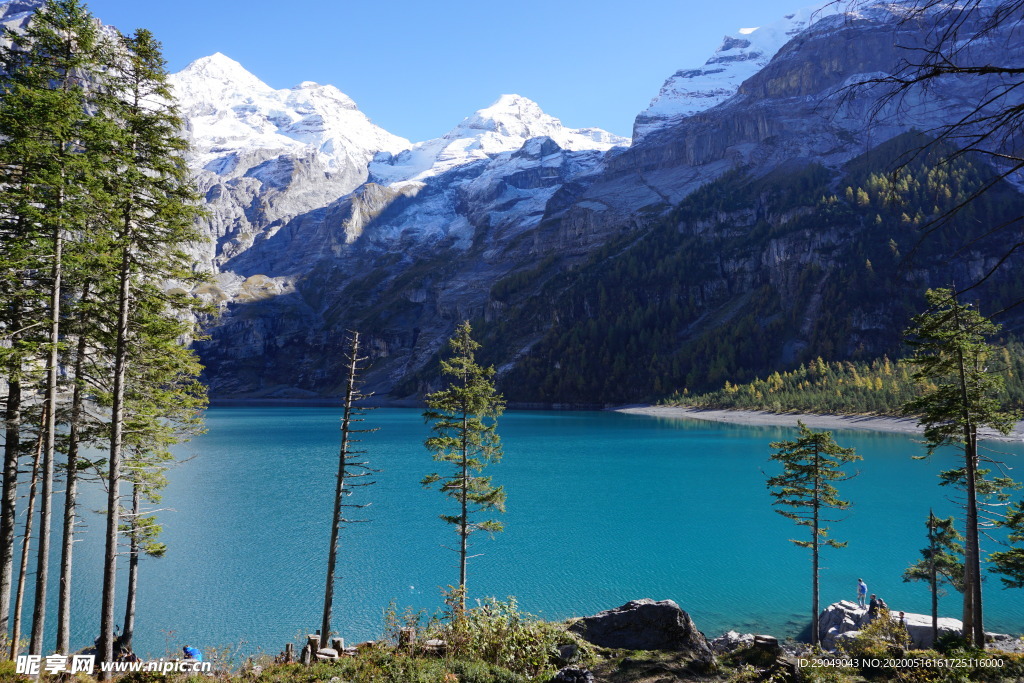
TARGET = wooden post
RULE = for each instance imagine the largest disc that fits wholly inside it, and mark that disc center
(338, 644)
(289, 653)
(306, 657)
(313, 642)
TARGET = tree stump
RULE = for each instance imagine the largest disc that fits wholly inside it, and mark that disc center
(406, 637)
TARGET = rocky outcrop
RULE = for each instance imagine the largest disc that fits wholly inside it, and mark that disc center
(644, 625)
(845, 619)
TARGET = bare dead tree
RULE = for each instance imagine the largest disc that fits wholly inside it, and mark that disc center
(351, 470)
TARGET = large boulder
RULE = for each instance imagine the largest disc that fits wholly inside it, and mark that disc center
(844, 619)
(919, 626)
(644, 625)
(839, 618)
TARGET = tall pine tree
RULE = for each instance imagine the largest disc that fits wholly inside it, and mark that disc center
(51, 161)
(805, 493)
(953, 359)
(153, 223)
(464, 422)
(940, 562)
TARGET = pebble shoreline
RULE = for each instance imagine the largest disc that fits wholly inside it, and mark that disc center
(762, 418)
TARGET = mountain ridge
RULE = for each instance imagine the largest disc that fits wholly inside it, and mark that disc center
(321, 221)
(502, 238)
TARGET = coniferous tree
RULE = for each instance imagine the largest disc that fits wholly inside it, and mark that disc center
(940, 562)
(153, 223)
(52, 171)
(163, 404)
(952, 355)
(464, 422)
(86, 362)
(350, 470)
(805, 494)
(95, 221)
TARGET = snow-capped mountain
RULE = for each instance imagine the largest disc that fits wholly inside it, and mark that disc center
(231, 113)
(502, 127)
(267, 158)
(741, 55)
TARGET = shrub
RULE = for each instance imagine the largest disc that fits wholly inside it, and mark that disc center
(883, 637)
(497, 633)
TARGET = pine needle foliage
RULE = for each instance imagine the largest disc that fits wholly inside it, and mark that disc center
(945, 549)
(805, 493)
(464, 425)
(1010, 562)
(953, 356)
(941, 562)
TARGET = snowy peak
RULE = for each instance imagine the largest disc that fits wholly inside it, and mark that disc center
(510, 116)
(739, 57)
(18, 9)
(216, 77)
(504, 126)
(234, 114)
(517, 119)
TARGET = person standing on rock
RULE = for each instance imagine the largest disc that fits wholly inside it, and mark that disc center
(862, 593)
(873, 607)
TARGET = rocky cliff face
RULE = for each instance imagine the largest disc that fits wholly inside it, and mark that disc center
(741, 56)
(322, 222)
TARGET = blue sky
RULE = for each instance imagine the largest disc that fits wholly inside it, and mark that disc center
(418, 68)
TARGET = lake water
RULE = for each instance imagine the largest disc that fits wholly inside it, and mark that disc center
(602, 508)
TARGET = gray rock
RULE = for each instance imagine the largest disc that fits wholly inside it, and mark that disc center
(844, 620)
(731, 641)
(573, 675)
(644, 625)
(567, 653)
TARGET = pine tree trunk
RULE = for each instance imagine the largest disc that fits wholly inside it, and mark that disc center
(933, 578)
(107, 604)
(133, 569)
(26, 542)
(972, 573)
(71, 492)
(815, 633)
(464, 520)
(50, 432)
(9, 501)
(346, 422)
(973, 540)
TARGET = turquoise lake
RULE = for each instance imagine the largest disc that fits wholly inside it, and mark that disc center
(602, 508)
